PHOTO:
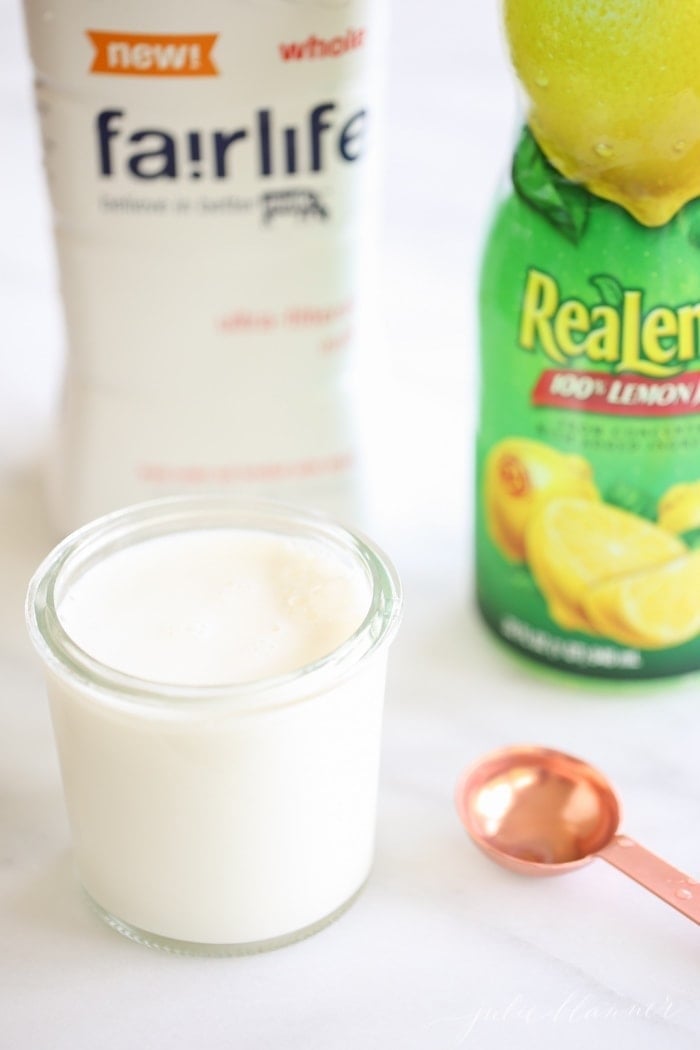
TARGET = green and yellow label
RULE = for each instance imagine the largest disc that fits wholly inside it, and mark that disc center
(588, 490)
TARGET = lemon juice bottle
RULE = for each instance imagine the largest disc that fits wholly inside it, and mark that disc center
(588, 477)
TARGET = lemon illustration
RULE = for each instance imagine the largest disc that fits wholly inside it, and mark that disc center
(614, 87)
(575, 544)
(521, 476)
(679, 507)
(602, 613)
(652, 609)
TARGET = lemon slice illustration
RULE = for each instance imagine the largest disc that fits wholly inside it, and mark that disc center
(575, 544)
(679, 507)
(615, 96)
(521, 476)
(657, 607)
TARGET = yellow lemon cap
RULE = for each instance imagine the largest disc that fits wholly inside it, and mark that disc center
(614, 87)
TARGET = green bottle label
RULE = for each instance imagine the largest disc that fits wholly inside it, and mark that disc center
(588, 479)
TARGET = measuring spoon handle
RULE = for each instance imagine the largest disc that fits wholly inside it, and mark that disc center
(650, 871)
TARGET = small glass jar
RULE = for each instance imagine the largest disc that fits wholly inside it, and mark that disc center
(228, 818)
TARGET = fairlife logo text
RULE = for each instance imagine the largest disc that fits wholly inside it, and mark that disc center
(322, 137)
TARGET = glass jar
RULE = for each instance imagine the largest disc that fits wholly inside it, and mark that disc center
(221, 818)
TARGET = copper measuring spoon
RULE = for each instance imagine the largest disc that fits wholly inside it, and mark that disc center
(543, 812)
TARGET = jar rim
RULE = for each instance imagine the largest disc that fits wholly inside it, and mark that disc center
(131, 525)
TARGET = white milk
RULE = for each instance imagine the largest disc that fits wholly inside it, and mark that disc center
(213, 606)
(208, 165)
(229, 816)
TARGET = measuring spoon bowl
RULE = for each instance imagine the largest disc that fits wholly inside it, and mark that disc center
(538, 811)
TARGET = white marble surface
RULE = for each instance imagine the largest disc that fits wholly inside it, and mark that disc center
(442, 950)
